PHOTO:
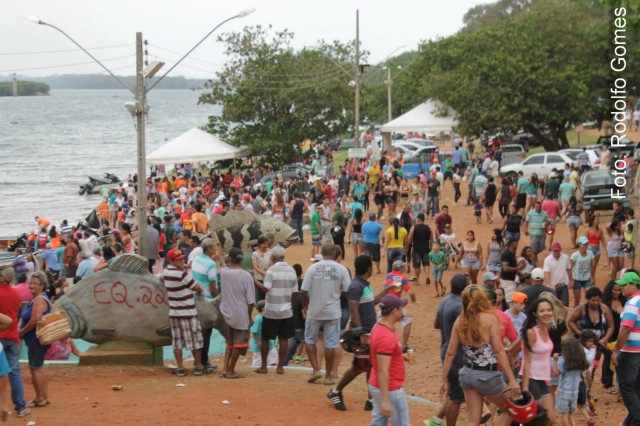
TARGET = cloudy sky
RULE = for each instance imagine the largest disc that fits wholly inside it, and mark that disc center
(107, 28)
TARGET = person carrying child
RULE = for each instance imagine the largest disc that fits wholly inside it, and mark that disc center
(399, 284)
(569, 367)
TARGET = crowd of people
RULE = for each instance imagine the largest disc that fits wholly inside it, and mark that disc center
(502, 318)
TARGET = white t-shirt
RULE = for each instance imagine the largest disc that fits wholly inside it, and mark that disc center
(194, 253)
(557, 269)
(325, 281)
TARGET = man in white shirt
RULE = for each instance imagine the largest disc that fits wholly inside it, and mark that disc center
(557, 272)
(196, 249)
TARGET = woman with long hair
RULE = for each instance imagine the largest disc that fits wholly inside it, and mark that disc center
(596, 243)
(538, 348)
(489, 198)
(127, 241)
(55, 237)
(512, 223)
(278, 209)
(614, 248)
(528, 260)
(613, 298)
(505, 197)
(494, 252)
(391, 192)
(394, 242)
(379, 198)
(573, 213)
(532, 191)
(470, 256)
(477, 329)
(501, 299)
(355, 234)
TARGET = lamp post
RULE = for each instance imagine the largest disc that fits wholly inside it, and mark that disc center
(389, 83)
(138, 109)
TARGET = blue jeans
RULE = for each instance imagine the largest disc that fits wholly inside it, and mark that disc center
(433, 205)
(12, 351)
(628, 372)
(297, 339)
(400, 409)
(297, 226)
(393, 254)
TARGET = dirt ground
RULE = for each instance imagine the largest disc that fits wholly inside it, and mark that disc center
(83, 395)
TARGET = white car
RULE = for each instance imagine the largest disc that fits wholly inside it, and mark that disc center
(541, 164)
(594, 157)
(409, 145)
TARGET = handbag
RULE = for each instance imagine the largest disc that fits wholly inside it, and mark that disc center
(52, 327)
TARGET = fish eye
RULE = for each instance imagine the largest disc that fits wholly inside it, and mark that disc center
(277, 229)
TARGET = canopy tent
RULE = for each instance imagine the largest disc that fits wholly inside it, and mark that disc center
(192, 146)
(421, 119)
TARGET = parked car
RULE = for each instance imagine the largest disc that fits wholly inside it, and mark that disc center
(412, 145)
(422, 155)
(597, 188)
(594, 157)
(512, 153)
(542, 164)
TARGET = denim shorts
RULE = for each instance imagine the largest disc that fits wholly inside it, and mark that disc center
(36, 355)
(316, 240)
(494, 266)
(594, 249)
(537, 244)
(579, 284)
(574, 221)
(419, 258)
(437, 275)
(512, 236)
(473, 264)
(614, 252)
(488, 383)
(566, 403)
(356, 238)
(330, 330)
(399, 412)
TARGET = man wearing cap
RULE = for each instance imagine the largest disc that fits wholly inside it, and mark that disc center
(422, 238)
(362, 303)
(582, 262)
(371, 231)
(10, 340)
(489, 280)
(557, 272)
(185, 326)
(538, 220)
(536, 288)
(509, 269)
(626, 354)
(386, 383)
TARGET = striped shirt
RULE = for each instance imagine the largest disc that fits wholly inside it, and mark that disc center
(282, 282)
(179, 284)
(537, 222)
(631, 318)
(204, 271)
(238, 292)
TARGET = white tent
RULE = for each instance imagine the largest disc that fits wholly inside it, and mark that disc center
(421, 119)
(194, 146)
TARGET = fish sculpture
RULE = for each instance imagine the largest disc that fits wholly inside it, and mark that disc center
(126, 303)
(241, 229)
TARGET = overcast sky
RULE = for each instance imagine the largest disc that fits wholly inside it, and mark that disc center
(173, 27)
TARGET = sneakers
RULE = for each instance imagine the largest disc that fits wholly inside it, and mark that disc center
(208, 369)
(368, 405)
(336, 399)
(199, 371)
(431, 422)
(24, 412)
(179, 372)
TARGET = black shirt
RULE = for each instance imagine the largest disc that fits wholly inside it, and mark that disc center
(533, 292)
(510, 257)
(421, 238)
(513, 223)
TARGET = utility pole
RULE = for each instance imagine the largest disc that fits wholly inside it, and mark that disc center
(15, 85)
(356, 142)
(389, 92)
(142, 158)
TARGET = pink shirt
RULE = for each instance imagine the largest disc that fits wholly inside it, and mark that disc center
(24, 292)
(552, 208)
(540, 368)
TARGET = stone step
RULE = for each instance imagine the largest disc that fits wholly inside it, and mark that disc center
(122, 353)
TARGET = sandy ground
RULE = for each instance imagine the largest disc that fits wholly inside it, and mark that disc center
(83, 395)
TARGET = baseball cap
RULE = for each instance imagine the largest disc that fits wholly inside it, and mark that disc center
(556, 246)
(398, 265)
(175, 254)
(372, 216)
(583, 240)
(489, 276)
(628, 278)
(519, 297)
(537, 274)
(390, 302)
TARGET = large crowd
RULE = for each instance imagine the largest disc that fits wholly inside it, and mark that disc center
(509, 338)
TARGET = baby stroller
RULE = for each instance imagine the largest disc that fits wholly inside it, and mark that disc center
(450, 250)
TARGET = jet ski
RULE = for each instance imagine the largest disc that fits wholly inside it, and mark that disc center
(95, 182)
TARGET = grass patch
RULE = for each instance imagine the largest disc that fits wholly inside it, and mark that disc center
(338, 159)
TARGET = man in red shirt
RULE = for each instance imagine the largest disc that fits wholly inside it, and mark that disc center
(70, 257)
(552, 207)
(386, 383)
(9, 306)
(443, 219)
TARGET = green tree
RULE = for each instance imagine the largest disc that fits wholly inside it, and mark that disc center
(274, 96)
(541, 67)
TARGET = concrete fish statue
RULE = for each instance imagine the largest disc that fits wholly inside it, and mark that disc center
(241, 229)
(126, 303)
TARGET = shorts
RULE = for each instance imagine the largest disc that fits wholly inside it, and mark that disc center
(316, 240)
(494, 266)
(614, 252)
(574, 221)
(488, 383)
(473, 264)
(373, 251)
(631, 254)
(36, 355)
(236, 339)
(186, 333)
(447, 175)
(538, 389)
(566, 403)
(406, 319)
(356, 238)
(277, 328)
(537, 244)
(509, 288)
(419, 258)
(512, 236)
(521, 201)
(594, 249)
(456, 394)
(579, 284)
(361, 363)
(331, 332)
(582, 393)
(437, 275)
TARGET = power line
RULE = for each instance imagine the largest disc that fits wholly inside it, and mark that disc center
(68, 65)
(63, 51)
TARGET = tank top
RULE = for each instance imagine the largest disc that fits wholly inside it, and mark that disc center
(357, 228)
(505, 194)
(298, 208)
(25, 316)
(470, 254)
(479, 356)
(513, 223)
(594, 239)
(278, 210)
(495, 252)
(421, 237)
(586, 323)
(540, 368)
(491, 192)
(615, 241)
(575, 211)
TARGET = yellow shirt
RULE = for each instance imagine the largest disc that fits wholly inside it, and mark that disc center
(573, 178)
(374, 175)
(399, 242)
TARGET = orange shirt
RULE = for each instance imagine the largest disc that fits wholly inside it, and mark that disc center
(103, 210)
(121, 217)
(201, 222)
(56, 242)
(43, 222)
(180, 183)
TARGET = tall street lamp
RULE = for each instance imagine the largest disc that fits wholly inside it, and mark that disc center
(139, 108)
(389, 83)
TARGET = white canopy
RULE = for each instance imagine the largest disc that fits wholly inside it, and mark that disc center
(420, 119)
(192, 146)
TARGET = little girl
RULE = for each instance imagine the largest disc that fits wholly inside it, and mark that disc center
(588, 341)
(439, 260)
(569, 368)
(477, 211)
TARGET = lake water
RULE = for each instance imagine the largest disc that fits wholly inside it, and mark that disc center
(49, 145)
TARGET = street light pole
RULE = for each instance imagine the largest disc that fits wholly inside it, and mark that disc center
(356, 142)
(141, 139)
(389, 92)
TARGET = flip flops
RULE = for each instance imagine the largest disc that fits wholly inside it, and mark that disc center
(315, 376)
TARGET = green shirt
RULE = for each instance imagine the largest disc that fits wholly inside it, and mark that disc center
(552, 187)
(438, 259)
(523, 184)
(315, 222)
(448, 165)
(339, 219)
(256, 329)
(537, 222)
(160, 212)
(566, 190)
